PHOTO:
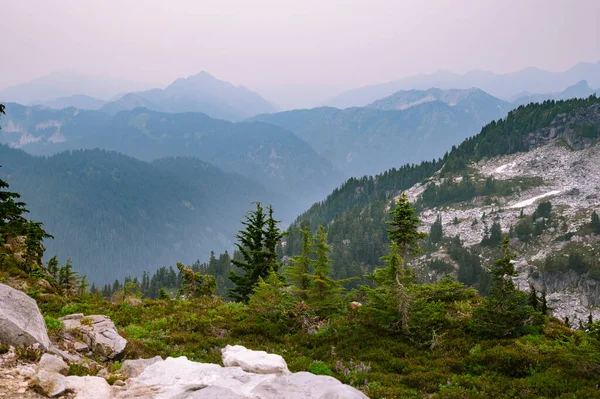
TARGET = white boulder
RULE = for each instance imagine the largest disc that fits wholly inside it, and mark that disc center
(179, 378)
(259, 362)
(305, 385)
(133, 368)
(21, 322)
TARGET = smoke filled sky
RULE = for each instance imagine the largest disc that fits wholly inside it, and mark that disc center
(343, 43)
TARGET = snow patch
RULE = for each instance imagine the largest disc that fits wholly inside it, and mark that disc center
(530, 201)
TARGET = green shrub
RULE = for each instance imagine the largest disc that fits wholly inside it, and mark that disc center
(52, 324)
(28, 353)
(319, 368)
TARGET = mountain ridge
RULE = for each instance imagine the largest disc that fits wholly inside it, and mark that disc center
(197, 93)
(501, 85)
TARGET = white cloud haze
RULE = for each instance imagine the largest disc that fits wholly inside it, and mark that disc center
(262, 43)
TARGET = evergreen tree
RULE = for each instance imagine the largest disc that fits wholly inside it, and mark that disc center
(404, 237)
(505, 312)
(324, 291)
(436, 232)
(297, 272)
(534, 301)
(273, 236)
(544, 306)
(83, 286)
(595, 222)
(67, 278)
(257, 247)
(163, 295)
(52, 267)
(404, 231)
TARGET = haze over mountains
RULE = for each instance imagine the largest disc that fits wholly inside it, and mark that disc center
(265, 153)
(60, 84)
(409, 126)
(579, 90)
(198, 159)
(220, 99)
(505, 86)
(198, 93)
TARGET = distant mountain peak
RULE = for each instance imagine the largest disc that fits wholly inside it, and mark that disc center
(202, 93)
(404, 99)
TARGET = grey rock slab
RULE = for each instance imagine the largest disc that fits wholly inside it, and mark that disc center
(304, 385)
(49, 383)
(88, 387)
(21, 322)
(53, 364)
(211, 393)
(133, 368)
(98, 332)
(259, 362)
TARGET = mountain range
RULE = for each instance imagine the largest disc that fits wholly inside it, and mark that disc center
(198, 93)
(505, 86)
(56, 85)
(268, 154)
(579, 90)
(406, 127)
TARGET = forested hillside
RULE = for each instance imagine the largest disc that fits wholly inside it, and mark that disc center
(355, 213)
(276, 158)
(361, 141)
(116, 216)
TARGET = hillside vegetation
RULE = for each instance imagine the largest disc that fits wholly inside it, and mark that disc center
(355, 213)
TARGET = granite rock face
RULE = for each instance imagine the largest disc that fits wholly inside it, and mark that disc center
(95, 333)
(21, 322)
(181, 378)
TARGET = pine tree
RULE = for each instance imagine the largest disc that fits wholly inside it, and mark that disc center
(258, 249)
(324, 291)
(53, 267)
(405, 238)
(83, 285)
(544, 306)
(297, 272)
(595, 222)
(505, 311)
(163, 295)
(67, 278)
(534, 301)
(436, 233)
(273, 236)
(404, 231)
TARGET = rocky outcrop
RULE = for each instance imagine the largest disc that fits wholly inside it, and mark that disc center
(53, 364)
(21, 322)
(181, 378)
(258, 362)
(95, 333)
(133, 368)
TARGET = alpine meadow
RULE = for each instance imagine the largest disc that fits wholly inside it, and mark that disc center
(306, 200)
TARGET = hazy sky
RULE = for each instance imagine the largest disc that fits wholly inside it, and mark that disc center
(260, 43)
